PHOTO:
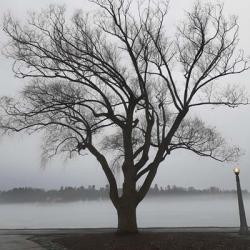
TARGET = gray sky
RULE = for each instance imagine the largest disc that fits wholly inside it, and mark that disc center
(20, 154)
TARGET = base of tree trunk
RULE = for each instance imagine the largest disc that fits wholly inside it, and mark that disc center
(126, 232)
(244, 230)
(127, 223)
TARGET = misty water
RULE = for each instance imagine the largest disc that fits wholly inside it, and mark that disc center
(156, 212)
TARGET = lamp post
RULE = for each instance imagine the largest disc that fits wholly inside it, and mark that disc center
(243, 221)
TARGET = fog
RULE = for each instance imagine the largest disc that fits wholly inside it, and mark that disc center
(155, 212)
(20, 154)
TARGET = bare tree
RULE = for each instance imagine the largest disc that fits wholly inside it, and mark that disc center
(117, 83)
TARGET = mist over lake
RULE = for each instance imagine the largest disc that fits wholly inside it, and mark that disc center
(153, 212)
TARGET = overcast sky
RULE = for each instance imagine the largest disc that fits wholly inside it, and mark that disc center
(20, 154)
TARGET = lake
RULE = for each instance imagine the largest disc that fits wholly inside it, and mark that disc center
(154, 212)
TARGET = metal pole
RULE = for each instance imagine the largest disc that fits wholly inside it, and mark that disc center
(243, 221)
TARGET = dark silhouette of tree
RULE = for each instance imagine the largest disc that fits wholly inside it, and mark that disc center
(116, 86)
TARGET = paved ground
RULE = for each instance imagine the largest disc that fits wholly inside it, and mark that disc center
(18, 242)
(19, 239)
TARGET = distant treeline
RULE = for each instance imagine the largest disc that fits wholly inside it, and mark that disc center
(68, 194)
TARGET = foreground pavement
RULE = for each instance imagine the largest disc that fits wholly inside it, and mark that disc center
(20, 239)
(18, 242)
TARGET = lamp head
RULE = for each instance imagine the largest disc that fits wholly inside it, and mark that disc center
(236, 171)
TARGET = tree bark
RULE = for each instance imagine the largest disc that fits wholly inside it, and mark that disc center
(127, 222)
(126, 209)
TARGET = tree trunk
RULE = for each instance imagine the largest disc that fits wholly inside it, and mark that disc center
(127, 218)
